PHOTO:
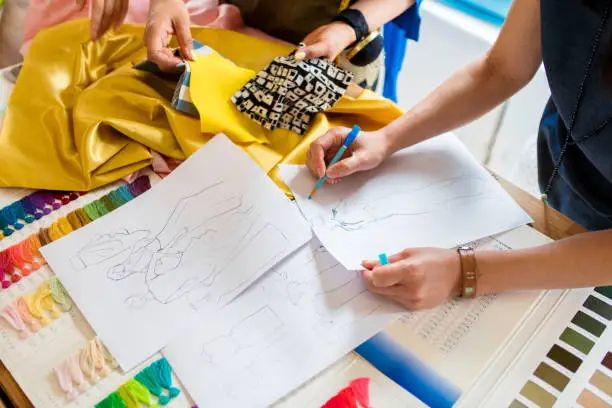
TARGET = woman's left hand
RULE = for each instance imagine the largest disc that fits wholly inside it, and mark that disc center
(419, 278)
(327, 41)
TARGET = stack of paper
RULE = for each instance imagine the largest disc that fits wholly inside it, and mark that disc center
(206, 263)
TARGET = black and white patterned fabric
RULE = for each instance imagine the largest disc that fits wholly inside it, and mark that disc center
(288, 93)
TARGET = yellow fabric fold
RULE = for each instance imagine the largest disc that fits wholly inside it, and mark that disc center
(81, 117)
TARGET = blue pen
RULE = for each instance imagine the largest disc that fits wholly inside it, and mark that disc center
(349, 139)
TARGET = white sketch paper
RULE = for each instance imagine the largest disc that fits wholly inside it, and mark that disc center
(432, 194)
(300, 318)
(192, 244)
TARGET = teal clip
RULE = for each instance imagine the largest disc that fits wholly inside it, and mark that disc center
(383, 259)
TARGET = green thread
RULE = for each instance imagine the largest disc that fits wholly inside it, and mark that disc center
(110, 206)
(134, 393)
(113, 400)
(102, 210)
(59, 294)
(92, 211)
(149, 379)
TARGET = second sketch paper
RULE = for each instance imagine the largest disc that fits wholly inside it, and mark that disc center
(432, 194)
(300, 318)
(190, 245)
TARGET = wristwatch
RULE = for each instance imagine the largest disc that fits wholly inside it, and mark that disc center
(469, 271)
(356, 20)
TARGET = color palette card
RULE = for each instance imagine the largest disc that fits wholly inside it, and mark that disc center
(571, 369)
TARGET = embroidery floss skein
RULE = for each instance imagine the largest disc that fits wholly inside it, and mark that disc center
(11, 218)
(163, 371)
(4, 226)
(38, 200)
(12, 317)
(113, 400)
(21, 213)
(59, 294)
(30, 208)
(134, 393)
(24, 311)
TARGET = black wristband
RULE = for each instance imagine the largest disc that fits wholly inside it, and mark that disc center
(356, 20)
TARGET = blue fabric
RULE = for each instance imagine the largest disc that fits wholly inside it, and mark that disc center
(491, 11)
(396, 34)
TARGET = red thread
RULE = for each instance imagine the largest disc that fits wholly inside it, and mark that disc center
(349, 397)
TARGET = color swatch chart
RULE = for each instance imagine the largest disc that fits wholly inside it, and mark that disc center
(577, 370)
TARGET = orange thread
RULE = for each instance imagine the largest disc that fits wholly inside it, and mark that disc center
(35, 245)
(24, 311)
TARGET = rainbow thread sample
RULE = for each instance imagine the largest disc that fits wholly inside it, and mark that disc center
(154, 380)
(77, 372)
(25, 257)
(31, 208)
(29, 313)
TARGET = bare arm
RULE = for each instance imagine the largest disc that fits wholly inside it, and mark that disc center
(507, 67)
(580, 261)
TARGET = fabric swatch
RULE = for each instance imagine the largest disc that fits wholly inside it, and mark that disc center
(288, 93)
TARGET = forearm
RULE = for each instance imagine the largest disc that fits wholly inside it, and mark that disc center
(380, 12)
(581, 261)
(465, 96)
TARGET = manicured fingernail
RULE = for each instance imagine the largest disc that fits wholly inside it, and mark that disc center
(300, 55)
(180, 65)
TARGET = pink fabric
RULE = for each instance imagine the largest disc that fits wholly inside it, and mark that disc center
(47, 13)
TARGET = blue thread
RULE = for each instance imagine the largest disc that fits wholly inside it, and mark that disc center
(11, 218)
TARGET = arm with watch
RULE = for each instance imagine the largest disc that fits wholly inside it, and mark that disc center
(355, 27)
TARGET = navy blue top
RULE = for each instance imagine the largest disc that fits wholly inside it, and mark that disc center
(583, 188)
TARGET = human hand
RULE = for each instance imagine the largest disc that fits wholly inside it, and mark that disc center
(419, 278)
(167, 18)
(327, 41)
(366, 152)
(105, 14)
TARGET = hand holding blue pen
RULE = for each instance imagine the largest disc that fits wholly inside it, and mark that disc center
(349, 139)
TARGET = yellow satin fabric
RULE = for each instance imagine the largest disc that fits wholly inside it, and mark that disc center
(81, 117)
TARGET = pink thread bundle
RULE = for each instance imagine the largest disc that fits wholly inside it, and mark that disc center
(29, 313)
(88, 366)
(31, 208)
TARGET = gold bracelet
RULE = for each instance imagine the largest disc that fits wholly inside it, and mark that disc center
(362, 44)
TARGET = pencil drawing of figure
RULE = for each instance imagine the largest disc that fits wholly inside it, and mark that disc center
(359, 212)
(207, 233)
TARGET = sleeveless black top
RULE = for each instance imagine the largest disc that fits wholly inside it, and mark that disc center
(575, 132)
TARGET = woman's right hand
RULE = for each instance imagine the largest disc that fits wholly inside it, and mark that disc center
(368, 151)
(167, 18)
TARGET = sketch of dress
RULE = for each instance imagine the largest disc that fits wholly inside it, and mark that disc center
(359, 212)
(205, 235)
(255, 331)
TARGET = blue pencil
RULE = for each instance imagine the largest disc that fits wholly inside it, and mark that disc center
(349, 139)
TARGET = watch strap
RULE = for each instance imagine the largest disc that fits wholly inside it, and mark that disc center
(469, 273)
